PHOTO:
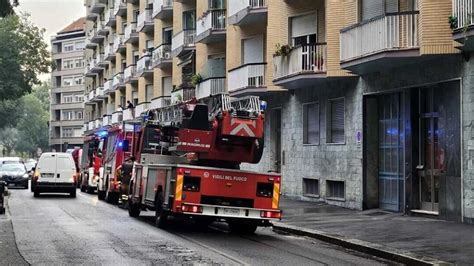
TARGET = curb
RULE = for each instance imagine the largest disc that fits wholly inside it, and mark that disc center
(373, 249)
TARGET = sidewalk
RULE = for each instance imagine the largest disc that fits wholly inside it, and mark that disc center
(9, 254)
(411, 240)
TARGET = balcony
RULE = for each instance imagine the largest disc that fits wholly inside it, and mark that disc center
(248, 78)
(463, 25)
(145, 21)
(183, 94)
(90, 97)
(95, 37)
(109, 54)
(118, 81)
(116, 117)
(109, 18)
(120, 7)
(162, 9)
(160, 102)
(130, 74)
(243, 12)
(91, 16)
(141, 108)
(161, 56)
(97, 6)
(144, 66)
(128, 114)
(213, 76)
(301, 66)
(119, 44)
(211, 27)
(92, 68)
(383, 41)
(102, 29)
(101, 62)
(107, 120)
(99, 94)
(131, 34)
(98, 123)
(182, 42)
(108, 86)
(89, 44)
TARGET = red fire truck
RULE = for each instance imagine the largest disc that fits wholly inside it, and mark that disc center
(188, 165)
(90, 164)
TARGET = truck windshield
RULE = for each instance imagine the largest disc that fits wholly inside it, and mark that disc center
(151, 139)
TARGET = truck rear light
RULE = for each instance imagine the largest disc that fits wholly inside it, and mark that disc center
(191, 183)
(265, 190)
(270, 214)
(191, 208)
(180, 171)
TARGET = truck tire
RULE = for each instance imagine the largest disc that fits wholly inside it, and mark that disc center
(242, 228)
(89, 190)
(161, 217)
(133, 210)
(72, 194)
(36, 194)
(100, 194)
(111, 197)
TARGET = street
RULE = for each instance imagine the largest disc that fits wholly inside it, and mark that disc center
(56, 229)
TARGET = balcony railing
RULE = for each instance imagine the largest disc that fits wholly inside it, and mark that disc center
(130, 29)
(211, 86)
(310, 58)
(141, 108)
(213, 20)
(118, 41)
(160, 102)
(117, 117)
(392, 31)
(143, 64)
(108, 86)
(160, 5)
(130, 73)
(91, 125)
(98, 123)
(183, 95)
(144, 17)
(463, 10)
(100, 92)
(128, 114)
(91, 95)
(161, 53)
(238, 5)
(109, 17)
(184, 38)
(249, 75)
(119, 5)
(107, 120)
(117, 81)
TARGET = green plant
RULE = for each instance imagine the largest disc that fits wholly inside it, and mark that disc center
(196, 79)
(282, 50)
(453, 22)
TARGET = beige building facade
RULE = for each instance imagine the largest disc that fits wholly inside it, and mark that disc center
(354, 88)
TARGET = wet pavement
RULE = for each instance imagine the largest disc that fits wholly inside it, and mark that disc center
(84, 230)
(442, 240)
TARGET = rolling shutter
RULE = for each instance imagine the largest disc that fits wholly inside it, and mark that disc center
(253, 50)
(372, 8)
(337, 121)
(303, 25)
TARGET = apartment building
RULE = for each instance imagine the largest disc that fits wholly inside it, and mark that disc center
(67, 92)
(369, 100)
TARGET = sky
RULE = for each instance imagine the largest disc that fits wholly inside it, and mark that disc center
(52, 15)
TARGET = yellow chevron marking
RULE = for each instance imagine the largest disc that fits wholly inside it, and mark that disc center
(179, 187)
(276, 195)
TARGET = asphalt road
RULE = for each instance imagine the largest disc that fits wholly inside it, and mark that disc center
(56, 229)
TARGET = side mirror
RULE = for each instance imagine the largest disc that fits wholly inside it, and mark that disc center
(125, 145)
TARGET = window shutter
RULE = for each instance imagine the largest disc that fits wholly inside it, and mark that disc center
(167, 86)
(304, 25)
(253, 50)
(337, 121)
(311, 123)
(372, 8)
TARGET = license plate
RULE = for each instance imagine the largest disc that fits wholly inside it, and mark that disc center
(227, 211)
(47, 175)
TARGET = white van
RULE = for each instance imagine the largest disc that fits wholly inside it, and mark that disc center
(55, 172)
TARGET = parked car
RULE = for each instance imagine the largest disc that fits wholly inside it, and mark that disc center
(14, 173)
(55, 172)
(30, 164)
(4, 160)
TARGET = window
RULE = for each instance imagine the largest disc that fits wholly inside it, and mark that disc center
(216, 4)
(189, 20)
(79, 63)
(167, 35)
(79, 45)
(311, 123)
(67, 132)
(304, 29)
(68, 115)
(68, 81)
(78, 98)
(335, 189)
(78, 115)
(68, 98)
(78, 80)
(335, 121)
(310, 187)
(68, 63)
(149, 92)
(68, 47)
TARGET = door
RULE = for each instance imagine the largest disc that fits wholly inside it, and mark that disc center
(276, 139)
(65, 168)
(47, 168)
(390, 152)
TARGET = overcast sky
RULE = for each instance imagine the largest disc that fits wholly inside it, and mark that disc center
(53, 15)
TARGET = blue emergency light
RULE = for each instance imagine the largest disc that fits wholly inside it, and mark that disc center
(263, 105)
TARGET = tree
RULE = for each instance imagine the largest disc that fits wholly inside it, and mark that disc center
(9, 112)
(6, 7)
(9, 139)
(23, 56)
(42, 94)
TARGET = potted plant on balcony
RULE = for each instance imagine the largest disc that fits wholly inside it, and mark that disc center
(196, 79)
(282, 50)
(453, 22)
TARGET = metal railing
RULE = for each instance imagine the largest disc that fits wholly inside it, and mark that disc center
(236, 6)
(128, 114)
(107, 120)
(183, 95)
(130, 72)
(213, 20)
(183, 38)
(143, 18)
(160, 102)
(463, 11)
(130, 29)
(99, 92)
(109, 15)
(98, 123)
(305, 58)
(162, 52)
(141, 108)
(143, 64)
(249, 75)
(108, 86)
(91, 95)
(211, 86)
(116, 117)
(159, 5)
(117, 80)
(391, 31)
(118, 41)
(119, 4)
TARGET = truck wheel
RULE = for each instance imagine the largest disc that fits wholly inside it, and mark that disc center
(89, 190)
(36, 194)
(133, 210)
(242, 228)
(72, 194)
(100, 194)
(111, 197)
(160, 215)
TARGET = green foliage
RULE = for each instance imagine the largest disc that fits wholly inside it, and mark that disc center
(23, 56)
(453, 22)
(282, 50)
(196, 79)
(6, 7)
(9, 139)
